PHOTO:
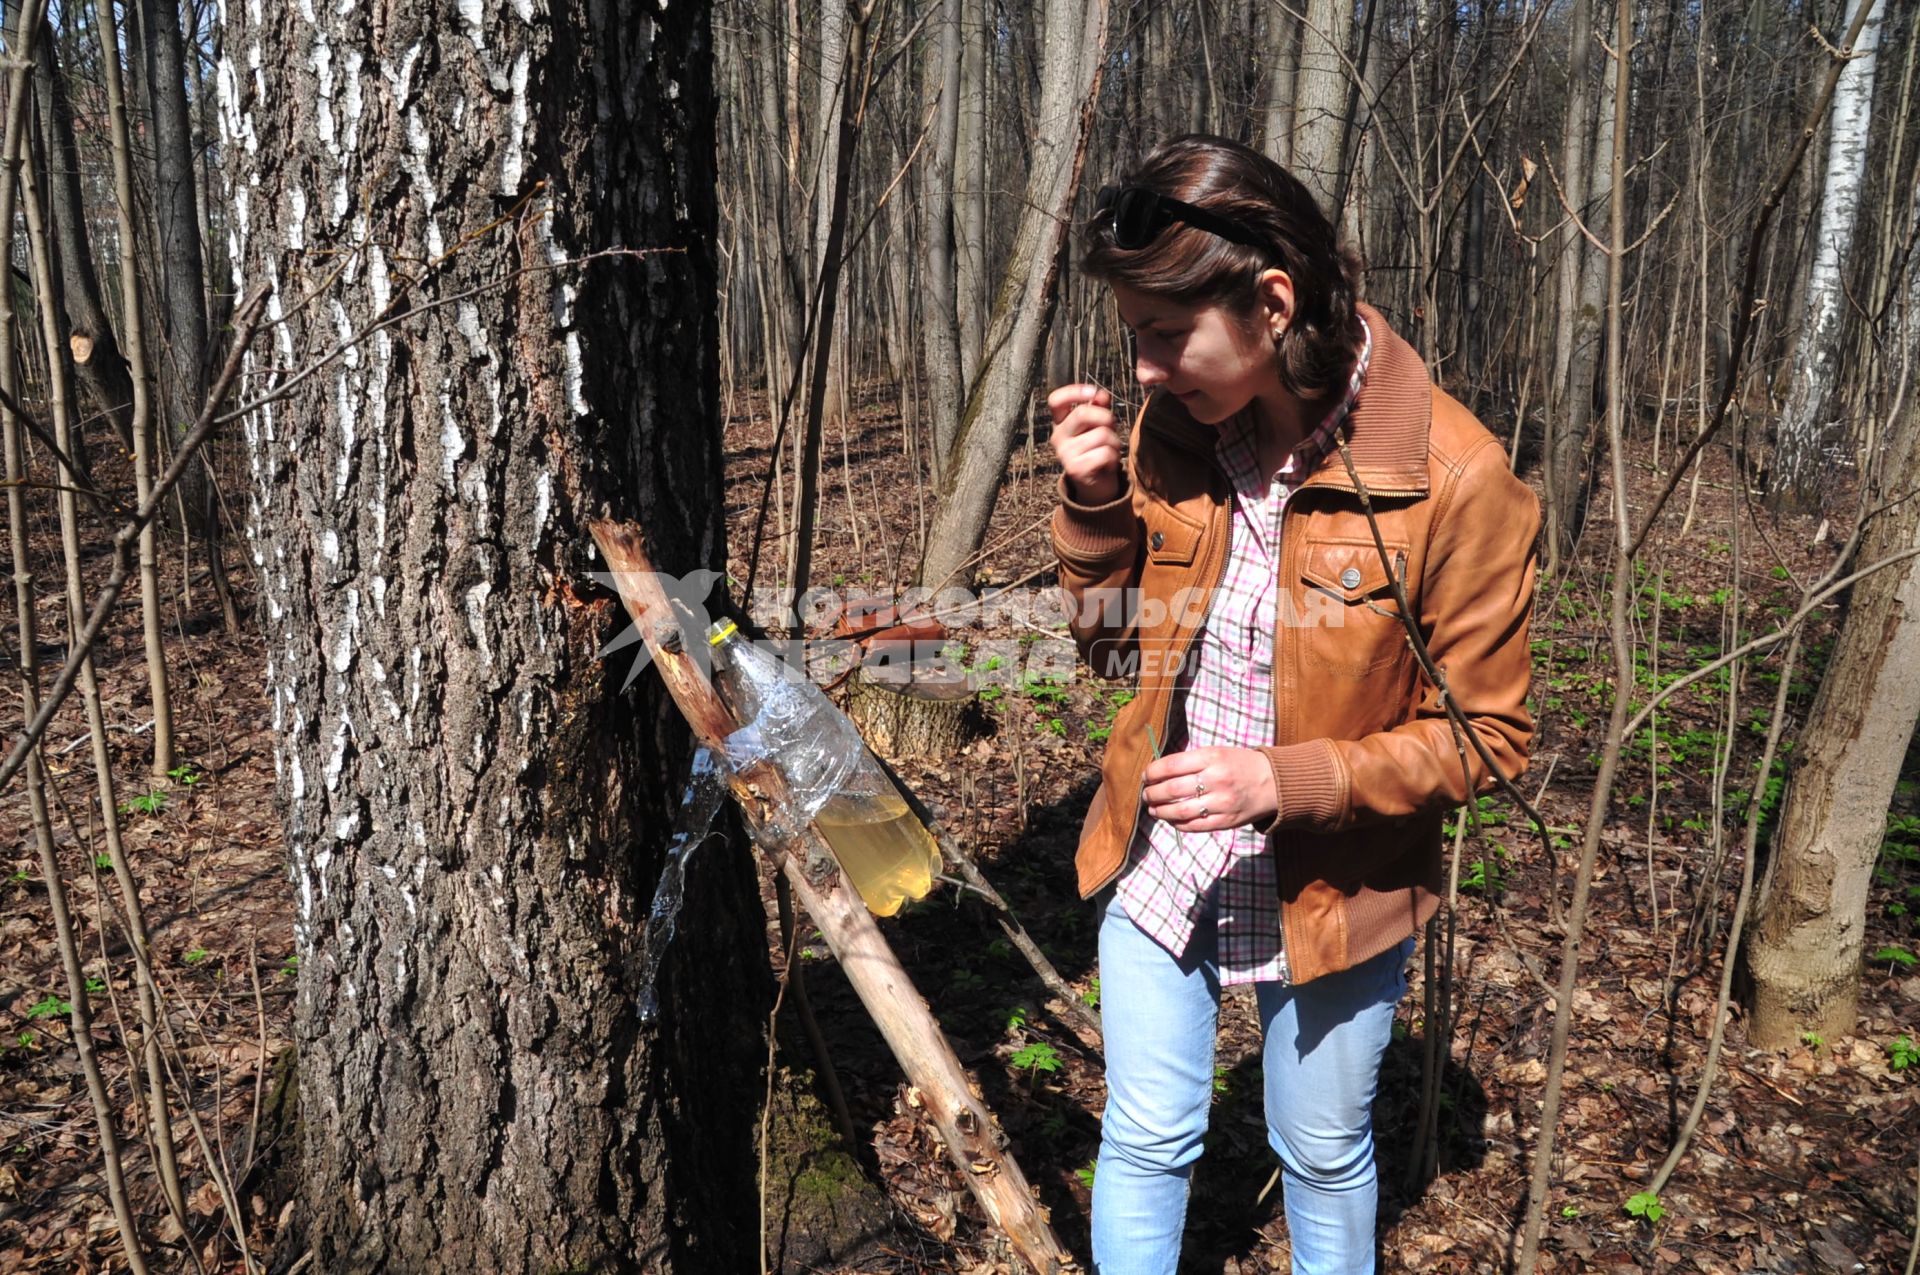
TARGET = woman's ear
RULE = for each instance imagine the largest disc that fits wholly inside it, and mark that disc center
(1275, 290)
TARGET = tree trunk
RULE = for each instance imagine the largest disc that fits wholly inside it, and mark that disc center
(183, 365)
(830, 248)
(1000, 397)
(1320, 100)
(838, 88)
(97, 359)
(475, 814)
(1804, 431)
(940, 324)
(1281, 52)
(970, 189)
(144, 461)
(1810, 937)
(1565, 447)
(1573, 440)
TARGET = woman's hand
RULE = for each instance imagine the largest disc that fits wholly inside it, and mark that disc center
(1208, 789)
(1086, 442)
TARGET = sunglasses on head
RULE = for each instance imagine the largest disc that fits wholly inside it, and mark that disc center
(1139, 215)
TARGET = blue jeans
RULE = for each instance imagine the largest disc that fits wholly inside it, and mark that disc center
(1323, 1044)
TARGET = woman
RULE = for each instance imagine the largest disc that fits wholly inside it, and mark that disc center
(1270, 804)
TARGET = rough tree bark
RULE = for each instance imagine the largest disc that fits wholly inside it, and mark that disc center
(1803, 430)
(475, 814)
(1810, 936)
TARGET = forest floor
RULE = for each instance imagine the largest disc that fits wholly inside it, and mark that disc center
(1804, 1160)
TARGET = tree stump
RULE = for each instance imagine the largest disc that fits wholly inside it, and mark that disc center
(914, 711)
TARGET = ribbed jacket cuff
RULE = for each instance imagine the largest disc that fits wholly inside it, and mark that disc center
(1308, 786)
(1093, 533)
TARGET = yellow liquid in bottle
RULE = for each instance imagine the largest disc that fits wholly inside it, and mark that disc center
(886, 851)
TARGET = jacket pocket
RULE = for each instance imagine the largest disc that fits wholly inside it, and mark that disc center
(1349, 620)
(1173, 539)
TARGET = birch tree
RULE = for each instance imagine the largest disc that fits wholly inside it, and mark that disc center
(475, 814)
(1804, 431)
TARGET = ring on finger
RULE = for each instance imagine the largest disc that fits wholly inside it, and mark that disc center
(1199, 787)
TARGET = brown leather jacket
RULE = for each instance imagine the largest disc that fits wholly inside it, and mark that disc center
(1365, 760)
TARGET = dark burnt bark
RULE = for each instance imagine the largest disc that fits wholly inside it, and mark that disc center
(475, 812)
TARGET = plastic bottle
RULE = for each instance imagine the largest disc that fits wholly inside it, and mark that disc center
(788, 721)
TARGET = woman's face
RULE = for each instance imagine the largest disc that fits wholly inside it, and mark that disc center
(1213, 361)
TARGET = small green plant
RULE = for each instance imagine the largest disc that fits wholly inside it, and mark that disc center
(1645, 1205)
(49, 1007)
(1489, 874)
(1091, 997)
(1037, 1056)
(1896, 956)
(1813, 1040)
(96, 985)
(151, 804)
(292, 964)
(1569, 1211)
(966, 981)
(186, 775)
(22, 876)
(1902, 1053)
(1222, 1086)
(195, 956)
(1085, 1174)
(26, 1039)
(103, 861)
(1017, 1018)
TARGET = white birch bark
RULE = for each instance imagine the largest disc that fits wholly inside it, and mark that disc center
(1804, 430)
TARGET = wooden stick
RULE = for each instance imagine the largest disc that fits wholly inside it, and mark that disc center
(938, 1085)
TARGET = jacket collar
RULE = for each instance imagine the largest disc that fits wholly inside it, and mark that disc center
(1387, 431)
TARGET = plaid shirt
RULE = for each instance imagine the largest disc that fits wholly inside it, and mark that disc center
(1224, 699)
